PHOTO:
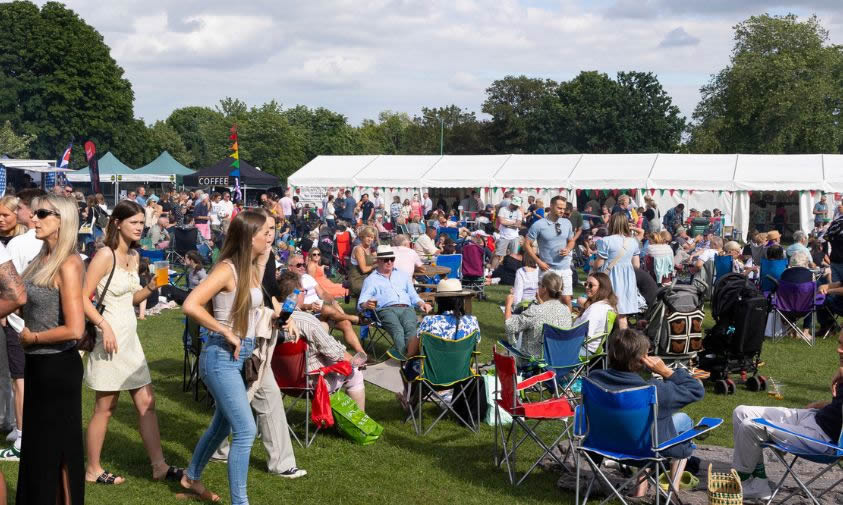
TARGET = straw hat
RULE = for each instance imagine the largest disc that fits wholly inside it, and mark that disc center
(385, 252)
(451, 288)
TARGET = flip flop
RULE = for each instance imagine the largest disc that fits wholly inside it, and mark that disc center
(108, 478)
(174, 474)
(686, 482)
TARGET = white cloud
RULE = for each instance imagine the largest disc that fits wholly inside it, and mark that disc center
(360, 57)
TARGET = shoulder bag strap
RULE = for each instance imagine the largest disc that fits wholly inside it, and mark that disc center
(617, 258)
(108, 282)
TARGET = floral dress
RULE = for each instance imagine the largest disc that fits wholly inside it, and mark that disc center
(445, 326)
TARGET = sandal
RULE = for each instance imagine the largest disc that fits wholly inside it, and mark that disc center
(174, 474)
(108, 478)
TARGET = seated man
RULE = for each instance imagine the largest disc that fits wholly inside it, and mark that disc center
(425, 244)
(391, 294)
(819, 420)
(627, 357)
(323, 349)
(321, 303)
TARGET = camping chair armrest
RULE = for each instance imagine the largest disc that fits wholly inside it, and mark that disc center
(532, 381)
(773, 280)
(705, 425)
(515, 352)
(767, 424)
(579, 421)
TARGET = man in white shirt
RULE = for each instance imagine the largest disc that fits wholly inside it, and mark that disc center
(425, 245)
(214, 211)
(224, 210)
(428, 205)
(286, 205)
(509, 222)
(407, 260)
(377, 200)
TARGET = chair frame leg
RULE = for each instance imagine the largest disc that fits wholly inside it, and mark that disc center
(802, 485)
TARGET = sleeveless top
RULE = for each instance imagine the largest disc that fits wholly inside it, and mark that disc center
(42, 312)
(224, 302)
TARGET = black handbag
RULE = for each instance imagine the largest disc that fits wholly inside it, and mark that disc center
(89, 337)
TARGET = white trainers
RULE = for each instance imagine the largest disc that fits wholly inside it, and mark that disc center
(756, 489)
(10, 454)
(292, 473)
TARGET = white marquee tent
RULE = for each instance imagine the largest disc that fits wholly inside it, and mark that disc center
(704, 181)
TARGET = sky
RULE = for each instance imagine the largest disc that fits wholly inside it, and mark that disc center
(361, 57)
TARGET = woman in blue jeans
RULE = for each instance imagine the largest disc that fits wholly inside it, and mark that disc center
(234, 287)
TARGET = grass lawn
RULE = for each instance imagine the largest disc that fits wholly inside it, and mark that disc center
(450, 465)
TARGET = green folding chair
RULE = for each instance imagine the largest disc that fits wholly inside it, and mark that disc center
(445, 364)
(599, 358)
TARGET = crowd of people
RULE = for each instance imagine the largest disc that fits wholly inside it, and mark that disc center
(67, 260)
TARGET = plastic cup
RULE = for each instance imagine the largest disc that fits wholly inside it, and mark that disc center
(162, 273)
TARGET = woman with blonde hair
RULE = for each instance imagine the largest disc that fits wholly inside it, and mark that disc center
(234, 287)
(362, 260)
(316, 270)
(661, 256)
(51, 462)
(617, 256)
(9, 226)
(117, 362)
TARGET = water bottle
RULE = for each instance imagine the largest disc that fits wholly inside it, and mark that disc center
(289, 306)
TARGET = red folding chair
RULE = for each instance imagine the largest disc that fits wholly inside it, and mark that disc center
(289, 365)
(511, 400)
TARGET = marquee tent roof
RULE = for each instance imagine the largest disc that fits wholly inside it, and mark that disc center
(329, 171)
(702, 172)
(164, 164)
(394, 171)
(218, 175)
(112, 169)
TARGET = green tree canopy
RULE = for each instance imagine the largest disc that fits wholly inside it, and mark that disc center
(58, 80)
(510, 101)
(781, 92)
(13, 145)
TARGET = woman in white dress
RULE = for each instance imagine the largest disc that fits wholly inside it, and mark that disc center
(117, 362)
(597, 304)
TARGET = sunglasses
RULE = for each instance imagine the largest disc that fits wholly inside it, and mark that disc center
(43, 213)
(298, 265)
(558, 229)
(387, 260)
(312, 255)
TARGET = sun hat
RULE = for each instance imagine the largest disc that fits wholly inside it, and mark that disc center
(516, 200)
(451, 288)
(479, 233)
(385, 252)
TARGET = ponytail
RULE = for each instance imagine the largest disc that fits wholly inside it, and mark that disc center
(553, 284)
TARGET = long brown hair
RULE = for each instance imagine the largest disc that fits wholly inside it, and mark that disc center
(619, 224)
(237, 249)
(123, 210)
(604, 291)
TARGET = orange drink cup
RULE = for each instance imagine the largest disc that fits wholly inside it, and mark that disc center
(162, 273)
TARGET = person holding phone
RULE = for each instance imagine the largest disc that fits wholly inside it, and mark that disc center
(117, 362)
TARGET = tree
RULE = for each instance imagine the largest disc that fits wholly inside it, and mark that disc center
(780, 93)
(269, 141)
(461, 131)
(163, 137)
(592, 113)
(13, 145)
(58, 80)
(326, 132)
(510, 101)
(204, 132)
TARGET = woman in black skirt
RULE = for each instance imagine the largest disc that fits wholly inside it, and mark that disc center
(51, 465)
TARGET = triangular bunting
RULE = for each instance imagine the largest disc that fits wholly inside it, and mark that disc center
(235, 163)
(661, 192)
(671, 191)
(235, 155)
(234, 146)
(652, 191)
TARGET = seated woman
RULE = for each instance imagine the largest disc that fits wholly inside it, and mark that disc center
(526, 282)
(599, 300)
(317, 270)
(447, 245)
(414, 227)
(450, 321)
(676, 389)
(362, 260)
(662, 258)
(550, 309)
(323, 349)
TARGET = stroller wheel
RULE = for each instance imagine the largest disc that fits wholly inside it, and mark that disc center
(753, 384)
(721, 388)
(730, 387)
(762, 383)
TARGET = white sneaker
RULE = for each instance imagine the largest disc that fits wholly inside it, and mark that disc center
(756, 489)
(13, 435)
(292, 473)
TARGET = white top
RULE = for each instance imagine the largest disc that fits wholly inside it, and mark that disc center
(224, 209)
(706, 255)
(308, 284)
(596, 315)
(214, 213)
(23, 249)
(526, 285)
(287, 205)
(4, 254)
(506, 232)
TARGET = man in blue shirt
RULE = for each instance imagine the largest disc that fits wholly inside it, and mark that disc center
(390, 293)
(554, 235)
(348, 210)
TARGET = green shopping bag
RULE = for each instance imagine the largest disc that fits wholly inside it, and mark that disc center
(353, 422)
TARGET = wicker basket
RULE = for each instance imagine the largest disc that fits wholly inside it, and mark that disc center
(724, 488)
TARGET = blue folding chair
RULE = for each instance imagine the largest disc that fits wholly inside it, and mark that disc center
(562, 348)
(722, 266)
(831, 456)
(623, 426)
(452, 261)
(375, 333)
(771, 271)
(454, 233)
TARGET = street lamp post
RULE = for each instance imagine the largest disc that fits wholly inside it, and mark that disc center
(441, 136)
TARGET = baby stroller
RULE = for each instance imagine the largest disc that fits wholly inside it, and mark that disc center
(733, 345)
(674, 322)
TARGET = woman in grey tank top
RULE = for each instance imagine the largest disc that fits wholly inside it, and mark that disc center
(234, 287)
(51, 463)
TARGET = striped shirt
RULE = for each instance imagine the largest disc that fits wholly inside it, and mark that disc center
(322, 348)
